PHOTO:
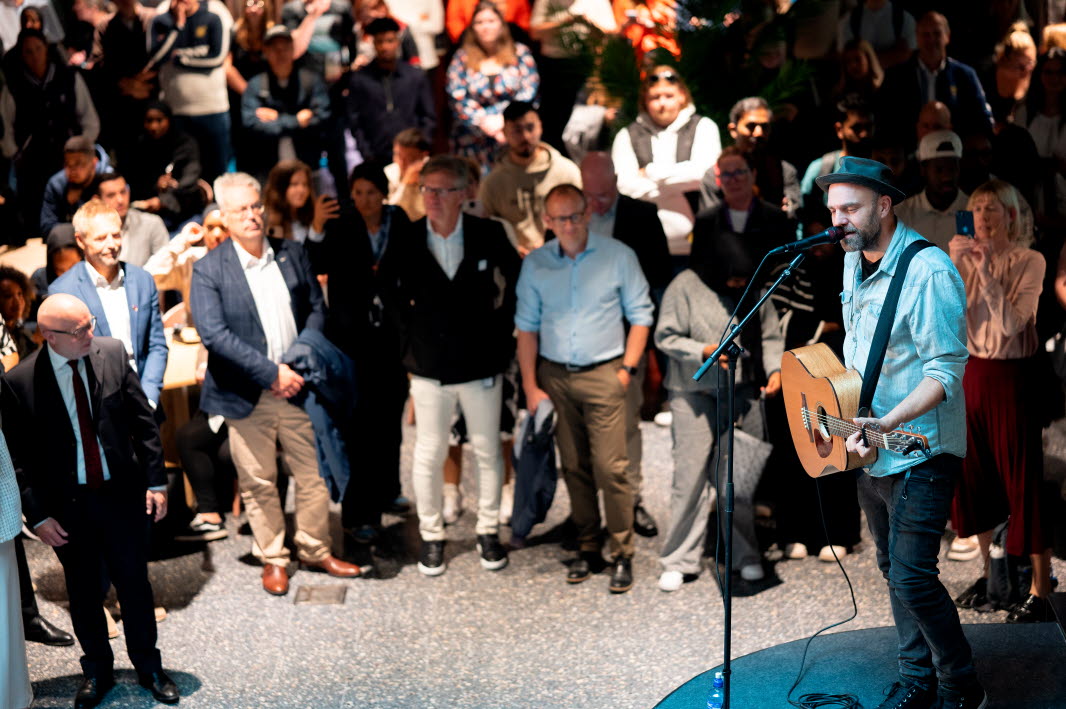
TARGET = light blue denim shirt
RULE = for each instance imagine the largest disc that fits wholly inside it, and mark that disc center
(577, 305)
(928, 340)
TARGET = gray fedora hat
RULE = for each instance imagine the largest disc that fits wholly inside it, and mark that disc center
(867, 173)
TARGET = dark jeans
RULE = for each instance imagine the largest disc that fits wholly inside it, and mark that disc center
(211, 133)
(906, 514)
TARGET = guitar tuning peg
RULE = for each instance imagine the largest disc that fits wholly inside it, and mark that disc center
(918, 429)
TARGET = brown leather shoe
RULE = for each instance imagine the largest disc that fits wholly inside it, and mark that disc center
(334, 567)
(275, 580)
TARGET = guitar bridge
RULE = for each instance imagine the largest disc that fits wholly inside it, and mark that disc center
(806, 416)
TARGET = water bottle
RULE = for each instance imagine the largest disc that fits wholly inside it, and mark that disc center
(716, 698)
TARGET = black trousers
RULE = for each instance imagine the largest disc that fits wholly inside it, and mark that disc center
(206, 460)
(28, 598)
(374, 446)
(108, 538)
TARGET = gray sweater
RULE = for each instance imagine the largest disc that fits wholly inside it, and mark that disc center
(693, 316)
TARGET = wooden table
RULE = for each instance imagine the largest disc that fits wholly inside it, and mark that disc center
(180, 396)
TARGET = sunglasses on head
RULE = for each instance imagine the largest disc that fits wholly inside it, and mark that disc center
(669, 76)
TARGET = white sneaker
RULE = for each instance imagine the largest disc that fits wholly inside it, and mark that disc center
(506, 502)
(664, 419)
(752, 572)
(826, 554)
(671, 581)
(453, 503)
(964, 549)
(798, 550)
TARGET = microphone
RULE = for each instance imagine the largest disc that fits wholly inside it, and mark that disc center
(830, 236)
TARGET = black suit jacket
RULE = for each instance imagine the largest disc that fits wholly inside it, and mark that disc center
(461, 329)
(637, 225)
(767, 228)
(40, 433)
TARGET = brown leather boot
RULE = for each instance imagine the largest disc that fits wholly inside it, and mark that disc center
(275, 580)
(334, 567)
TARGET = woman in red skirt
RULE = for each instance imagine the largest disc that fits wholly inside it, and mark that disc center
(1003, 471)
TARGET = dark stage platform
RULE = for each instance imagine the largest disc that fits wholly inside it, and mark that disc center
(1021, 667)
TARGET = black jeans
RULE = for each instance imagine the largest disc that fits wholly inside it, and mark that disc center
(906, 514)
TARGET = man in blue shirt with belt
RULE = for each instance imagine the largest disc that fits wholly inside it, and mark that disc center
(907, 497)
(573, 294)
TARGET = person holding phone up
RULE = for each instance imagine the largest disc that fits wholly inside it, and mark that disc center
(1002, 472)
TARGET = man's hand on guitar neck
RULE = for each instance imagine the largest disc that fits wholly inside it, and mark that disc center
(856, 442)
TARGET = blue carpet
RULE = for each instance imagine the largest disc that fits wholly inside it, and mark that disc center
(1020, 666)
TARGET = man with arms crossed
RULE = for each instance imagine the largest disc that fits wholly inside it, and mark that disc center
(907, 498)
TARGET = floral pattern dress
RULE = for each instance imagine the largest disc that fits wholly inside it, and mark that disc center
(474, 95)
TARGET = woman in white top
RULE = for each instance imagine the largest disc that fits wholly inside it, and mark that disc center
(665, 153)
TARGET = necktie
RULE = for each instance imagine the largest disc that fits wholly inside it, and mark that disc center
(94, 469)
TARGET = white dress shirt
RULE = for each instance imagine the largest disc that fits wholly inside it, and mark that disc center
(272, 299)
(116, 307)
(65, 378)
(448, 250)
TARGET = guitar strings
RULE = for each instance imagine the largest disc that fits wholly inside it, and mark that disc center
(840, 427)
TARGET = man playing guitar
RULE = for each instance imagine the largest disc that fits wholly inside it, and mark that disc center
(907, 497)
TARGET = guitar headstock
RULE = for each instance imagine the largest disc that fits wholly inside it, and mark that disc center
(903, 442)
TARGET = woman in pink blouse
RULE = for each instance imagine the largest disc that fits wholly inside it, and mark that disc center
(1003, 470)
(487, 72)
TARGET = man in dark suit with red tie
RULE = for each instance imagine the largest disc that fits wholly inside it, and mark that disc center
(89, 463)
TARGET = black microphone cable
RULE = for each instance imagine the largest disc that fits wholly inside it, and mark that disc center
(817, 700)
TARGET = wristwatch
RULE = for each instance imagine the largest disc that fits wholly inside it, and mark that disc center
(631, 370)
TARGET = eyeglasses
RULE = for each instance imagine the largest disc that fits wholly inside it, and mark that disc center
(574, 219)
(662, 76)
(254, 4)
(254, 208)
(439, 191)
(79, 332)
(734, 174)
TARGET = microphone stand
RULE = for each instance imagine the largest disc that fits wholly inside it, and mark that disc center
(731, 348)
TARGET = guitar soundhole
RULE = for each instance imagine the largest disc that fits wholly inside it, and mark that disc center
(823, 440)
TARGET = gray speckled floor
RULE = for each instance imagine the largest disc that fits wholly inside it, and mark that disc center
(520, 637)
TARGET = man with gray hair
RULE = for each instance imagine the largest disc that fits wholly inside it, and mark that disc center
(454, 301)
(252, 296)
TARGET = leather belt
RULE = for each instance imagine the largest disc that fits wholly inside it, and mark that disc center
(579, 368)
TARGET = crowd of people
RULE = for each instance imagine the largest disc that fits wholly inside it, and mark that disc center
(361, 209)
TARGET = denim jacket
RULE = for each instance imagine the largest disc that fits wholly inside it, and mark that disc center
(928, 340)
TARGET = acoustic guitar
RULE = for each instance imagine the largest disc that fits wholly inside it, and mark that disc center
(821, 399)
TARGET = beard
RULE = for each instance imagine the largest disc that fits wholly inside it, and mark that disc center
(862, 238)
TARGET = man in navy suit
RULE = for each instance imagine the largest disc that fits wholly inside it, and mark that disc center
(252, 296)
(122, 297)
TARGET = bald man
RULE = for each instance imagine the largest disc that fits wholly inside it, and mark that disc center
(636, 224)
(89, 463)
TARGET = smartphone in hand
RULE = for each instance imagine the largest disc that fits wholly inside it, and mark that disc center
(964, 223)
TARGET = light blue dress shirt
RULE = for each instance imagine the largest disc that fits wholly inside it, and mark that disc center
(65, 378)
(577, 305)
(928, 340)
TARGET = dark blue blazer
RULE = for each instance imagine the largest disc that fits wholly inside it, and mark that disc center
(146, 322)
(238, 369)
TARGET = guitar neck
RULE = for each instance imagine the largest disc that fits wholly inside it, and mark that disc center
(896, 441)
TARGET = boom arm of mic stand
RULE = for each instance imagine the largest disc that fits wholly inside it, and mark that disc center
(739, 327)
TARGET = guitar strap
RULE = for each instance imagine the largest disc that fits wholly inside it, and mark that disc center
(879, 346)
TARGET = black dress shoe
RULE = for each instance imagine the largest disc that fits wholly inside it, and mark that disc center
(92, 691)
(644, 523)
(621, 576)
(39, 630)
(976, 597)
(586, 564)
(1033, 609)
(160, 685)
